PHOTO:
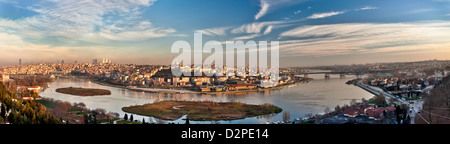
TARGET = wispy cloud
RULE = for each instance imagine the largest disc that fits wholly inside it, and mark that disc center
(416, 11)
(368, 8)
(264, 8)
(255, 27)
(326, 14)
(269, 5)
(297, 12)
(76, 19)
(220, 31)
(246, 37)
(361, 38)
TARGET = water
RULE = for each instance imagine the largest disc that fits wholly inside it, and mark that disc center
(299, 100)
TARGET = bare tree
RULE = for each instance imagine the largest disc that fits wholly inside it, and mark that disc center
(337, 108)
(327, 110)
(286, 116)
(353, 102)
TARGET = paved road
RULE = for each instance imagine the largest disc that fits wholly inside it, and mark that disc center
(378, 91)
(415, 107)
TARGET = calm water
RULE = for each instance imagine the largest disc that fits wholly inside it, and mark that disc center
(311, 97)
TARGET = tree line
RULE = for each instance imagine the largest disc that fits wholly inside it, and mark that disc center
(18, 111)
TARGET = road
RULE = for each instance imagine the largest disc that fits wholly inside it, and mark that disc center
(378, 91)
(415, 107)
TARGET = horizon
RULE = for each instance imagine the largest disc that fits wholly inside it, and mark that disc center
(142, 32)
(25, 64)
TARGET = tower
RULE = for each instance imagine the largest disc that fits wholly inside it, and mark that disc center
(20, 61)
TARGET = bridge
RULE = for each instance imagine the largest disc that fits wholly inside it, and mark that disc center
(327, 74)
(341, 73)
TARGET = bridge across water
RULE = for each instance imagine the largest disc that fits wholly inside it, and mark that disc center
(340, 73)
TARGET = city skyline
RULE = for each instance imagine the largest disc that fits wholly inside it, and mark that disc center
(142, 32)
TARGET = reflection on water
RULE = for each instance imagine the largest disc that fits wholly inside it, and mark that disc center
(305, 98)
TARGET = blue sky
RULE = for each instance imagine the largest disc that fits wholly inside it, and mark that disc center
(310, 32)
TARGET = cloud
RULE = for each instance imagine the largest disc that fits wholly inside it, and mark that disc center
(269, 5)
(76, 20)
(255, 27)
(264, 8)
(247, 37)
(416, 11)
(268, 30)
(297, 12)
(324, 15)
(144, 30)
(368, 8)
(365, 38)
(220, 31)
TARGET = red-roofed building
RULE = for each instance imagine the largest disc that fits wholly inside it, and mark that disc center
(364, 108)
(351, 112)
(377, 114)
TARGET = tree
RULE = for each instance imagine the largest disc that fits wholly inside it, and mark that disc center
(353, 102)
(94, 113)
(3, 111)
(131, 118)
(380, 101)
(327, 110)
(125, 117)
(85, 118)
(337, 108)
(143, 121)
(286, 116)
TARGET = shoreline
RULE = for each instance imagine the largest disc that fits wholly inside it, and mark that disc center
(176, 91)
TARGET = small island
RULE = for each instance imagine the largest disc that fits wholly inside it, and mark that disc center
(202, 110)
(83, 91)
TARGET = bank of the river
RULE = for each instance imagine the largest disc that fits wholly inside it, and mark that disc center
(202, 110)
(182, 91)
(312, 97)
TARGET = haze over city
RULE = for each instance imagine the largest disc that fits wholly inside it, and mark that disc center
(310, 32)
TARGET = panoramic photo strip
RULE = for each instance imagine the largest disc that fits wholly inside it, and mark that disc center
(216, 62)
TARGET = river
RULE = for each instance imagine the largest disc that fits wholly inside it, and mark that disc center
(298, 100)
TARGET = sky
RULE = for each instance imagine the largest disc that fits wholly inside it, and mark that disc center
(310, 32)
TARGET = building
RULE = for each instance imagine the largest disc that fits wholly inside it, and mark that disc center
(358, 110)
(234, 87)
(351, 112)
(203, 88)
(34, 88)
(20, 61)
(378, 113)
(5, 78)
(94, 61)
(364, 108)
